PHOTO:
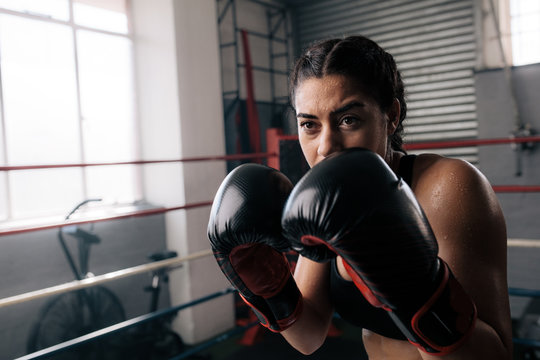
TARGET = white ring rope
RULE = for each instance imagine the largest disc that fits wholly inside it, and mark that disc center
(529, 243)
(100, 279)
(173, 262)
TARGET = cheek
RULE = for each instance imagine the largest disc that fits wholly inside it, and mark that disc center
(309, 149)
(381, 143)
(373, 138)
(364, 139)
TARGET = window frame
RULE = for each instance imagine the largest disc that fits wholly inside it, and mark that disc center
(9, 219)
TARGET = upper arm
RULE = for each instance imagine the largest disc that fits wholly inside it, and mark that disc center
(468, 223)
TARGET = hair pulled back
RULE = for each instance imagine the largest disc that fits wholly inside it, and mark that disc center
(363, 60)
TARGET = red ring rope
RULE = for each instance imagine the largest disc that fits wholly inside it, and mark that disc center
(140, 162)
(412, 146)
(277, 135)
(114, 217)
(471, 142)
(515, 188)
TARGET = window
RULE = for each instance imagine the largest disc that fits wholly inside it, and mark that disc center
(525, 25)
(67, 96)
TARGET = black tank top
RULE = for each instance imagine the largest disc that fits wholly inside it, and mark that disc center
(347, 299)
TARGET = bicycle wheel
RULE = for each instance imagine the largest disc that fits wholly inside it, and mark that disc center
(152, 343)
(166, 344)
(74, 314)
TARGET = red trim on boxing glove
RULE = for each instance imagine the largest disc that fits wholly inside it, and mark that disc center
(265, 273)
(281, 323)
(262, 319)
(451, 296)
(311, 240)
(364, 289)
(288, 321)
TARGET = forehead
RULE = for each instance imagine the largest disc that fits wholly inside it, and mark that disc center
(330, 90)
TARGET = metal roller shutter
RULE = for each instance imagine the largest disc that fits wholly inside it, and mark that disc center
(433, 42)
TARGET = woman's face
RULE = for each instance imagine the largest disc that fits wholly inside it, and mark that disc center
(333, 114)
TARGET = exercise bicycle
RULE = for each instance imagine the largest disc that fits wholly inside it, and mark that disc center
(80, 312)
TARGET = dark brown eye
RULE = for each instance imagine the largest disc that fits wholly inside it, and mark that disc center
(349, 120)
(307, 124)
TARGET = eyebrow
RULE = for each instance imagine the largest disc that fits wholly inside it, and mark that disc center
(342, 109)
(347, 107)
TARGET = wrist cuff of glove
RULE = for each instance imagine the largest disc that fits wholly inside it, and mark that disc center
(447, 318)
(281, 310)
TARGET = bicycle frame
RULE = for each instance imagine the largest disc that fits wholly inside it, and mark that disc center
(85, 239)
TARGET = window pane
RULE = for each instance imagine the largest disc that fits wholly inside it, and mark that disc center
(56, 9)
(3, 177)
(527, 6)
(525, 25)
(528, 23)
(3, 196)
(101, 14)
(42, 109)
(522, 50)
(112, 183)
(2, 145)
(106, 97)
(39, 88)
(45, 192)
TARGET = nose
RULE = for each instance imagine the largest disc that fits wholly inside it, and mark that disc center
(329, 142)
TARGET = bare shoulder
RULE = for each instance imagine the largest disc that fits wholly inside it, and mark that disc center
(469, 225)
(435, 170)
(441, 181)
(457, 198)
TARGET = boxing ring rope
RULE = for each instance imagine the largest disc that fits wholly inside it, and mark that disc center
(147, 212)
(95, 335)
(168, 263)
(471, 142)
(516, 188)
(272, 156)
(528, 243)
(171, 264)
(261, 155)
(531, 294)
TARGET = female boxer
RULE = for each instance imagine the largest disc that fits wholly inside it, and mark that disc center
(348, 93)
(411, 249)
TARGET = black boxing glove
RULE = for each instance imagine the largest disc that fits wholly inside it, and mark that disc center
(353, 205)
(247, 241)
